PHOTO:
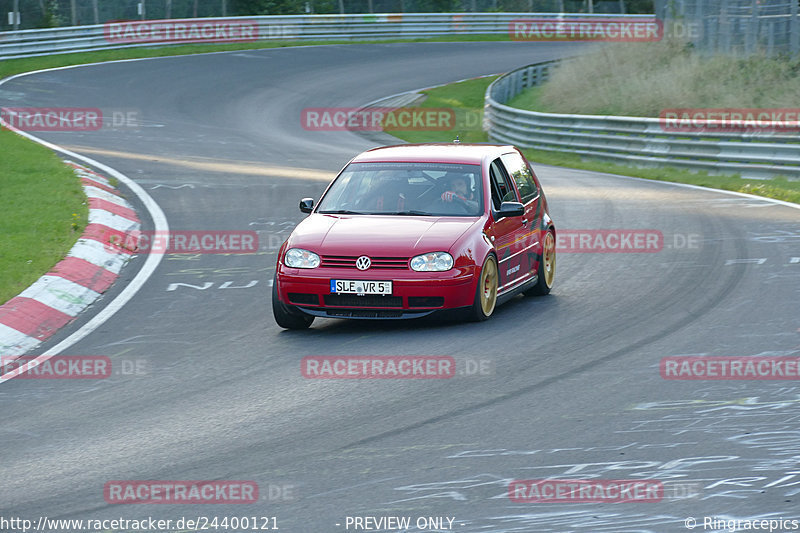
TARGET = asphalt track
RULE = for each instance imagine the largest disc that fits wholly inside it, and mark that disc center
(572, 389)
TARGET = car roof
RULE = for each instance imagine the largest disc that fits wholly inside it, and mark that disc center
(468, 153)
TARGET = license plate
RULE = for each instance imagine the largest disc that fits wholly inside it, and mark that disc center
(357, 286)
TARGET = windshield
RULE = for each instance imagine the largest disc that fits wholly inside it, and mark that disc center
(435, 189)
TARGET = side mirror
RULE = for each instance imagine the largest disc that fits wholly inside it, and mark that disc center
(510, 209)
(306, 205)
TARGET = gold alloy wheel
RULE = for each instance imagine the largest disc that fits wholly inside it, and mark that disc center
(488, 286)
(549, 258)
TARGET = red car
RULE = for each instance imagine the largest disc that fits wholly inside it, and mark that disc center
(404, 231)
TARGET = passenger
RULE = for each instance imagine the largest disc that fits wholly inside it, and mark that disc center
(386, 192)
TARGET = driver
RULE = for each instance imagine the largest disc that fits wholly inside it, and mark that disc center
(458, 190)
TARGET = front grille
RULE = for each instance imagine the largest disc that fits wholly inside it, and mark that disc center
(425, 301)
(368, 300)
(349, 261)
(299, 298)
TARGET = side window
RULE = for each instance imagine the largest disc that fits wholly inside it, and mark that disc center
(502, 190)
(521, 175)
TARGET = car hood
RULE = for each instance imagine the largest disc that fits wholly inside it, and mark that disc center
(379, 235)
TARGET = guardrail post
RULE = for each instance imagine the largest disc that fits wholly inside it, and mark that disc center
(794, 31)
(725, 27)
(700, 19)
(16, 16)
(752, 29)
(713, 33)
(659, 5)
(771, 39)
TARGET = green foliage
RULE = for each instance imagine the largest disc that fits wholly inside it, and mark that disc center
(465, 98)
(642, 79)
(51, 17)
(43, 211)
(268, 7)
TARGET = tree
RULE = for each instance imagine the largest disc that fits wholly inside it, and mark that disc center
(267, 7)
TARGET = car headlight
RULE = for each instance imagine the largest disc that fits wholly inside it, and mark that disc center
(432, 262)
(299, 258)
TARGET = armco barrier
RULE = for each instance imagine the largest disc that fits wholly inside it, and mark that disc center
(633, 140)
(29, 43)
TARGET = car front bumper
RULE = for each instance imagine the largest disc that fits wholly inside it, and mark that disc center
(414, 294)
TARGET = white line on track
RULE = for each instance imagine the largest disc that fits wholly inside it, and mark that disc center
(684, 185)
(152, 261)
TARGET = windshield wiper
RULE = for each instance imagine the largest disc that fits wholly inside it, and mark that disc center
(341, 212)
(412, 212)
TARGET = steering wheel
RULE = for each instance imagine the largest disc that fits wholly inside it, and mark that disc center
(461, 203)
(457, 202)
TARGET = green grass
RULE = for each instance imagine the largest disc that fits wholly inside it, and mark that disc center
(642, 79)
(527, 99)
(43, 211)
(466, 98)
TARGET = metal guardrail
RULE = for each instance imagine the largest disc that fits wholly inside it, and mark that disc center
(633, 140)
(30, 43)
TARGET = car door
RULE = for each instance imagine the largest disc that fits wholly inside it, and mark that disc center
(506, 233)
(529, 233)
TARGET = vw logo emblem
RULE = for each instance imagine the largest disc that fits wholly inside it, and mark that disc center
(363, 262)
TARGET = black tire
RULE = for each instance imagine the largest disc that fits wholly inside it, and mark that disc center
(485, 291)
(547, 266)
(285, 315)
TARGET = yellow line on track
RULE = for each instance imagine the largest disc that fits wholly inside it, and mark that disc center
(216, 165)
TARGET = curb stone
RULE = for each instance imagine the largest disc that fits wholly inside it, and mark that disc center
(77, 281)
